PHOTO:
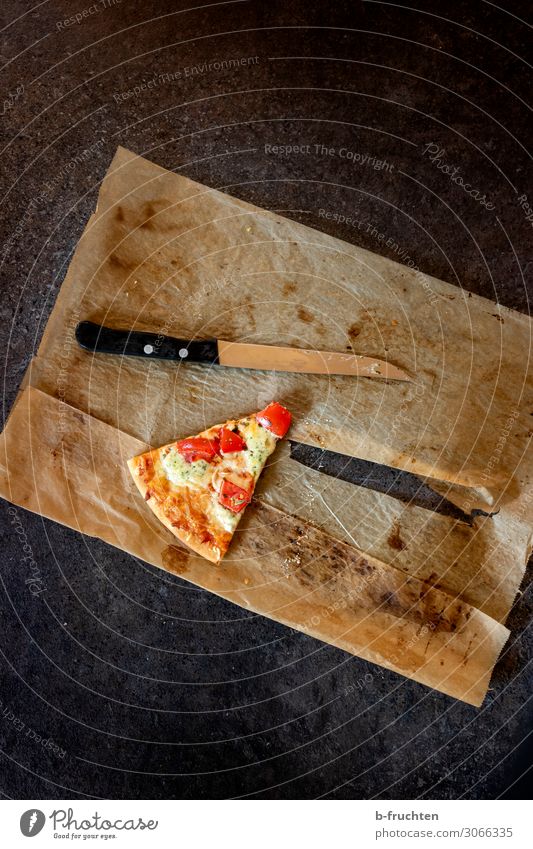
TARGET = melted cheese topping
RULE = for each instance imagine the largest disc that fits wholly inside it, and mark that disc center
(179, 471)
(260, 444)
(224, 517)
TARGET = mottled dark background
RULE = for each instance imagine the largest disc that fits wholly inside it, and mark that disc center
(150, 687)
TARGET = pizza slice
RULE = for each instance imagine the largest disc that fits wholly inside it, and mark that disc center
(199, 487)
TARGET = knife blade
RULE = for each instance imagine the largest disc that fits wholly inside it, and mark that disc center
(136, 343)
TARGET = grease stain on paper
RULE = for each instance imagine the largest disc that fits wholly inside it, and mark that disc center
(175, 559)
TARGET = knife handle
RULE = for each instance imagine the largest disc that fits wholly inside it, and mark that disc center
(137, 343)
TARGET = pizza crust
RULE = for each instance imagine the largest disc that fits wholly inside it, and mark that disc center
(210, 552)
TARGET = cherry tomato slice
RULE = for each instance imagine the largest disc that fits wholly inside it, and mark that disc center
(230, 441)
(234, 497)
(275, 418)
(198, 448)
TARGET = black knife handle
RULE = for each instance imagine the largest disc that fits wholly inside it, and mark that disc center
(136, 343)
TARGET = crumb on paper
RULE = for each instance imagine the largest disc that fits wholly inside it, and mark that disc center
(291, 564)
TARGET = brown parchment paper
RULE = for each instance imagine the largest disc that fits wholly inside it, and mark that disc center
(165, 253)
(278, 565)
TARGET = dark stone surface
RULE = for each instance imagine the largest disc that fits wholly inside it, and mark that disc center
(151, 687)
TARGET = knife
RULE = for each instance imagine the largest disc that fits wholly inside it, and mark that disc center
(158, 346)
